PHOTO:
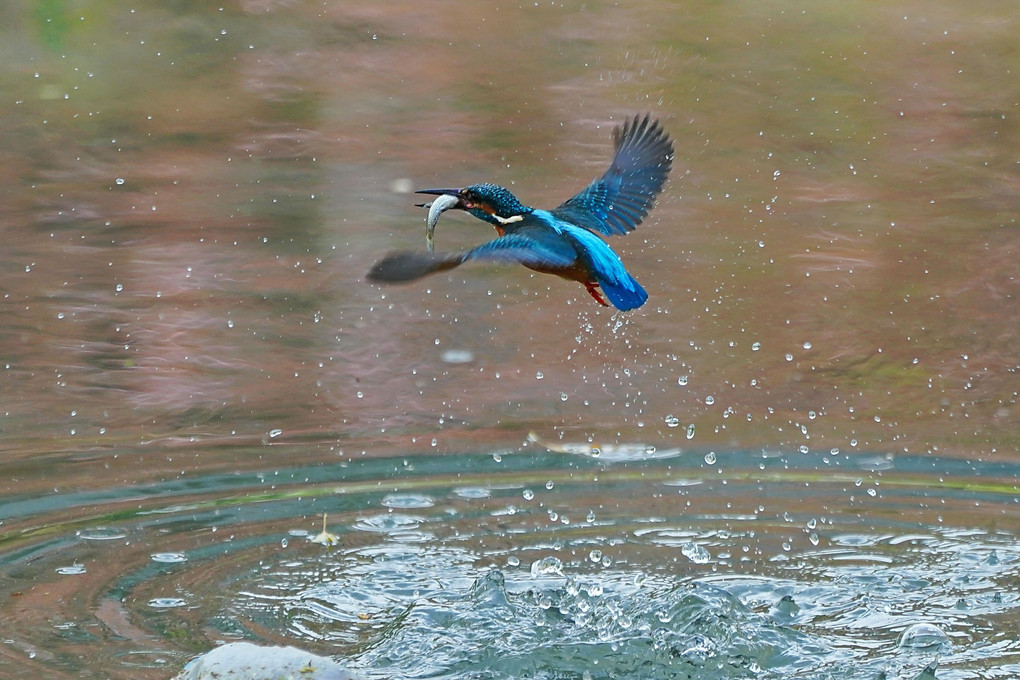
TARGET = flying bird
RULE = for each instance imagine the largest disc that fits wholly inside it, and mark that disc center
(566, 240)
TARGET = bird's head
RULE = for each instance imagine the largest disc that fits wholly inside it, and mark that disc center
(490, 202)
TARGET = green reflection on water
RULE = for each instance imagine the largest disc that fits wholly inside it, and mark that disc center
(52, 22)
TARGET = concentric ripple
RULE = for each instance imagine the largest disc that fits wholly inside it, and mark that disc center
(596, 571)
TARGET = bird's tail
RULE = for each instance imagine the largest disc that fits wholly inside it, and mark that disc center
(625, 294)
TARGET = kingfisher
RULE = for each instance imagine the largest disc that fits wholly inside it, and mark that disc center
(567, 240)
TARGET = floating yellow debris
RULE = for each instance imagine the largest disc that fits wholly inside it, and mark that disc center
(325, 537)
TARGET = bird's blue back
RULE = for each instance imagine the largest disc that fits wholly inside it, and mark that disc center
(597, 257)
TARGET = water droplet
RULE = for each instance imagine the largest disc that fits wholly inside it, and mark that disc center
(710, 400)
(595, 555)
(672, 421)
(550, 484)
(924, 636)
(539, 375)
(690, 431)
(528, 494)
(120, 180)
(547, 566)
(710, 458)
(755, 346)
(407, 501)
(71, 570)
(457, 356)
(473, 492)
(682, 380)
(274, 433)
(695, 553)
(101, 534)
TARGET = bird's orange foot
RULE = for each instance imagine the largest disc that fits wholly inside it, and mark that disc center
(592, 288)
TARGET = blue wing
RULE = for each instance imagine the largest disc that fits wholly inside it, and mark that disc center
(531, 250)
(617, 202)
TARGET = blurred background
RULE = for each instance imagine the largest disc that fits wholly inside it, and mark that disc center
(191, 195)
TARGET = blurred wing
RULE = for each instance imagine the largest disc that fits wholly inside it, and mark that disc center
(533, 252)
(410, 265)
(617, 202)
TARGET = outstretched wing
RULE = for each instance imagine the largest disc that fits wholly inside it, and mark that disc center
(617, 202)
(516, 247)
(408, 265)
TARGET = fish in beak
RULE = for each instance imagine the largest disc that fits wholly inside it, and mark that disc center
(445, 200)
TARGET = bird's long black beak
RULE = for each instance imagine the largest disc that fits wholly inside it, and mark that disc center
(438, 192)
(435, 192)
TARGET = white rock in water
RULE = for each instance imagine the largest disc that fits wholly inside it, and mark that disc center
(245, 661)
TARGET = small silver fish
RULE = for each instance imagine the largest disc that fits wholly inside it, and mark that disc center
(437, 208)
